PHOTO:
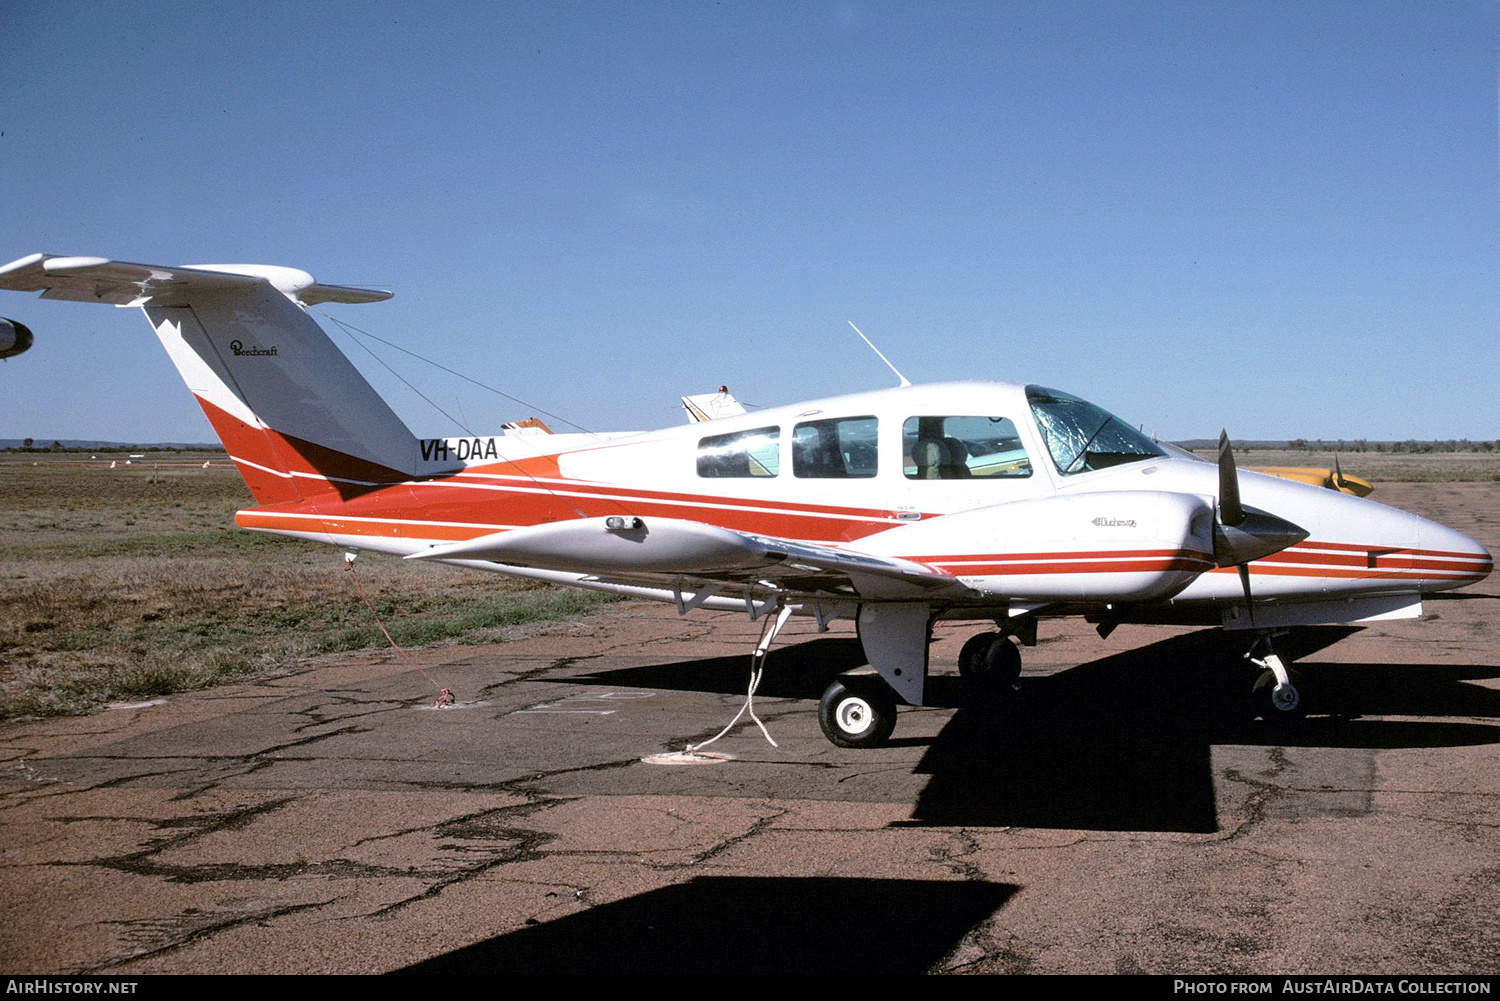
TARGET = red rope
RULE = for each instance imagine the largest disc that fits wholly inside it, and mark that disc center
(445, 696)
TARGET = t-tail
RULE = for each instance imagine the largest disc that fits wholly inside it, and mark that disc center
(294, 414)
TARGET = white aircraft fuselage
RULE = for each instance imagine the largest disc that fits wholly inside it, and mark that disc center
(1137, 530)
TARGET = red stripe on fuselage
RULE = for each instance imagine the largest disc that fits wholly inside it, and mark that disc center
(525, 502)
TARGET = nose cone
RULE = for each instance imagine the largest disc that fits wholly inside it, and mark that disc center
(1359, 546)
(1450, 559)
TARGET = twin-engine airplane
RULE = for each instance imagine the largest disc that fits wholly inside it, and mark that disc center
(971, 500)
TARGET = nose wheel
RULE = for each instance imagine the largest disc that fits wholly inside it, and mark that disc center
(857, 712)
(1276, 693)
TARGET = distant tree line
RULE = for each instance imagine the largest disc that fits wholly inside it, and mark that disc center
(1410, 446)
(30, 445)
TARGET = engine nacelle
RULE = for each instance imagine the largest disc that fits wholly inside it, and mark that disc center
(1122, 545)
(15, 337)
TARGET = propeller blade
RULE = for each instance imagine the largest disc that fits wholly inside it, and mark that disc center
(1244, 569)
(1243, 534)
(1338, 473)
(1230, 511)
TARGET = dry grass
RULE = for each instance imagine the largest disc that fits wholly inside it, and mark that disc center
(133, 582)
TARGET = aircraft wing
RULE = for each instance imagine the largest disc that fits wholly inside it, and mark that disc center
(659, 552)
(1331, 479)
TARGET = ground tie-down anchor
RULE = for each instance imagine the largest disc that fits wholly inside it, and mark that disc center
(445, 695)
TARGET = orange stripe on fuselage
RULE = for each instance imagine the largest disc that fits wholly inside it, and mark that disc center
(1065, 554)
(254, 456)
(302, 469)
(1342, 561)
(524, 502)
(499, 497)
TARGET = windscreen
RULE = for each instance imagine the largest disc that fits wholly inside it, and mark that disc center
(1082, 437)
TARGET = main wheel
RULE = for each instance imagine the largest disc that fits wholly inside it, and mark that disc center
(970, 652)
(989, 664)
(1278, 705)
(857, 712)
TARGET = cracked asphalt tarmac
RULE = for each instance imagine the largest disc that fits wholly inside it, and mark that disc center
(1116, 817)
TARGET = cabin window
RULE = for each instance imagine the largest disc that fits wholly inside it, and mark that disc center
(961, 448)
(841, 448)
(1082, 437)
(741, 454)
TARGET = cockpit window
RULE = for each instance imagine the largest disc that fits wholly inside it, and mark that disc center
(743, 453)
(960, 448)
(842, 448)
(1082, 437)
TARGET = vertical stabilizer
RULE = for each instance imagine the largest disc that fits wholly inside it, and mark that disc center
(290, 408)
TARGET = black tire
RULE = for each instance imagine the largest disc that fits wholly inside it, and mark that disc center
(971, 651)
(1263, 705)
(857, 712)
(989, 664)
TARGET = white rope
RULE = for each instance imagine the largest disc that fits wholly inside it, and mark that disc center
(757, 671)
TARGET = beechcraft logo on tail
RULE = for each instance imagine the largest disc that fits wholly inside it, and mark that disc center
(239, 349)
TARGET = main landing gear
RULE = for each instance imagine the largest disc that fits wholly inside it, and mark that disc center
(989, 664)
(1275, 694)
(857, 711)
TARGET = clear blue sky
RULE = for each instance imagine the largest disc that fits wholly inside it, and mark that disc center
(1277, 217)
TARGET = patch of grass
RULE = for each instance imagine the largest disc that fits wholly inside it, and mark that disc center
(93, 610)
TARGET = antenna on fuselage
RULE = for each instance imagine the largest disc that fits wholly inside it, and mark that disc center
(904, 380)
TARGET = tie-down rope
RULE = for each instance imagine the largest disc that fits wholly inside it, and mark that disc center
(445, 695)
(757, 670)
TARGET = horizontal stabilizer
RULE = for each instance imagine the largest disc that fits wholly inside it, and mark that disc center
(293, 412)
(122, 283)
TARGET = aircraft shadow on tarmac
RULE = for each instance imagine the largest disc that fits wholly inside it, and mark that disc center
(795, 671)
(1124, 742)
(717, 924)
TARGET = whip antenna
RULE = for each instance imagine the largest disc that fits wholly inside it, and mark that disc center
(904, 380)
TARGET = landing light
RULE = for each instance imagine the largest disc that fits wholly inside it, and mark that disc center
(618, 523)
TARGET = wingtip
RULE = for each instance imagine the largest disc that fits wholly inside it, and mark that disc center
(21, 264)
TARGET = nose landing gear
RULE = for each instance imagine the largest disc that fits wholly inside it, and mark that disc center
(1275, 694)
